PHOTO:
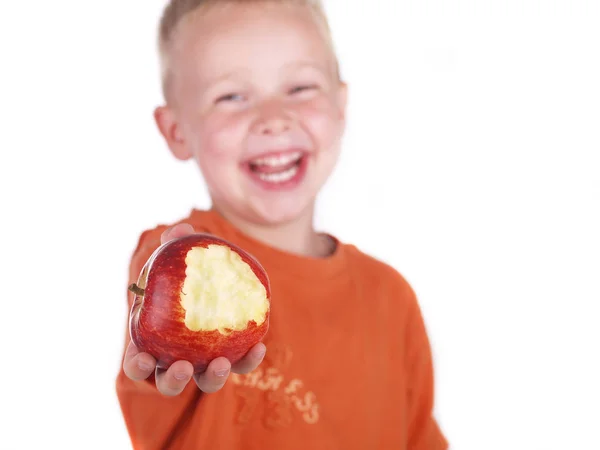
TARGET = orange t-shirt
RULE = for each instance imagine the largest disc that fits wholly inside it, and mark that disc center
(348, 363)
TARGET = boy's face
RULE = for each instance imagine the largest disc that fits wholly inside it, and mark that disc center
(257, 102)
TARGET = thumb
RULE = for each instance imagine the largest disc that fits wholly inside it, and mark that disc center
(176, 231)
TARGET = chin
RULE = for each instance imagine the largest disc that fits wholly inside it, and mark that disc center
(271, 207)
(284, 209)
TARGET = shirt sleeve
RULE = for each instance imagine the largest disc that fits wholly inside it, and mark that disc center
(423, 430)
(153, 421)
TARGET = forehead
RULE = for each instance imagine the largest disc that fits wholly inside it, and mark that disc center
(256, 37)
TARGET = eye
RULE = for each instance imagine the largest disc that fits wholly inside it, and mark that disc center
(230, 98)
(303, 88)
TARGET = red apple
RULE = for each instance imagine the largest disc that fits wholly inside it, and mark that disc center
(199, 297)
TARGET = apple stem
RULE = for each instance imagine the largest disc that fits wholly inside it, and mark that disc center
(136, 289)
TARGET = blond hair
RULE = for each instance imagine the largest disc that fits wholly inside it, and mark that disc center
(177, 10)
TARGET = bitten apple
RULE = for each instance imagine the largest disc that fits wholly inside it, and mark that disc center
(199, 297)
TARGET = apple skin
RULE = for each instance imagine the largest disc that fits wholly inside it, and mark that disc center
(156, 321)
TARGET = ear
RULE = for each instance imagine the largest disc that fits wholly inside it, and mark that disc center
(343, 99)
(171, 131)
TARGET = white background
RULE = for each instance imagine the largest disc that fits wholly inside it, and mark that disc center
(471, 164)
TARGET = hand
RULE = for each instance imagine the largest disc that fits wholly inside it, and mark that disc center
(172, 381)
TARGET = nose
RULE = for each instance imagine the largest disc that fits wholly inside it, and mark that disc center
(272, 120)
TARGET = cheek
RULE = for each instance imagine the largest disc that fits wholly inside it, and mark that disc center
(324, 122)
(222, 136)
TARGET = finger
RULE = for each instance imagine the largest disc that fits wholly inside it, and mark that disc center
(251, 361)
(215, 376)
(137, 365)
(173, 381)
(179, 230)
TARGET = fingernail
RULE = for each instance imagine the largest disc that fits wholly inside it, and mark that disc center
(144, 366)
(260, 353)
(221, 372)
(180, 376)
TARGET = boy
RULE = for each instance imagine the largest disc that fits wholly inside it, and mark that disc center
(253, 94)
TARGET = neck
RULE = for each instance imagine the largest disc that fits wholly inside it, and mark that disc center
(297, 236)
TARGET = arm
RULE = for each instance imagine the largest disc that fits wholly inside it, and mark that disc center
(157, 405)
(423, 430)
(151, 418)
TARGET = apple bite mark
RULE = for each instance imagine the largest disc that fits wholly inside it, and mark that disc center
(221, 292)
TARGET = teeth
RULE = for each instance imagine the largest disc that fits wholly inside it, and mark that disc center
(274, 161)
(279, 177)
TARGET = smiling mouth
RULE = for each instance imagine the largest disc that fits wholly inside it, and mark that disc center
(279, 168)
